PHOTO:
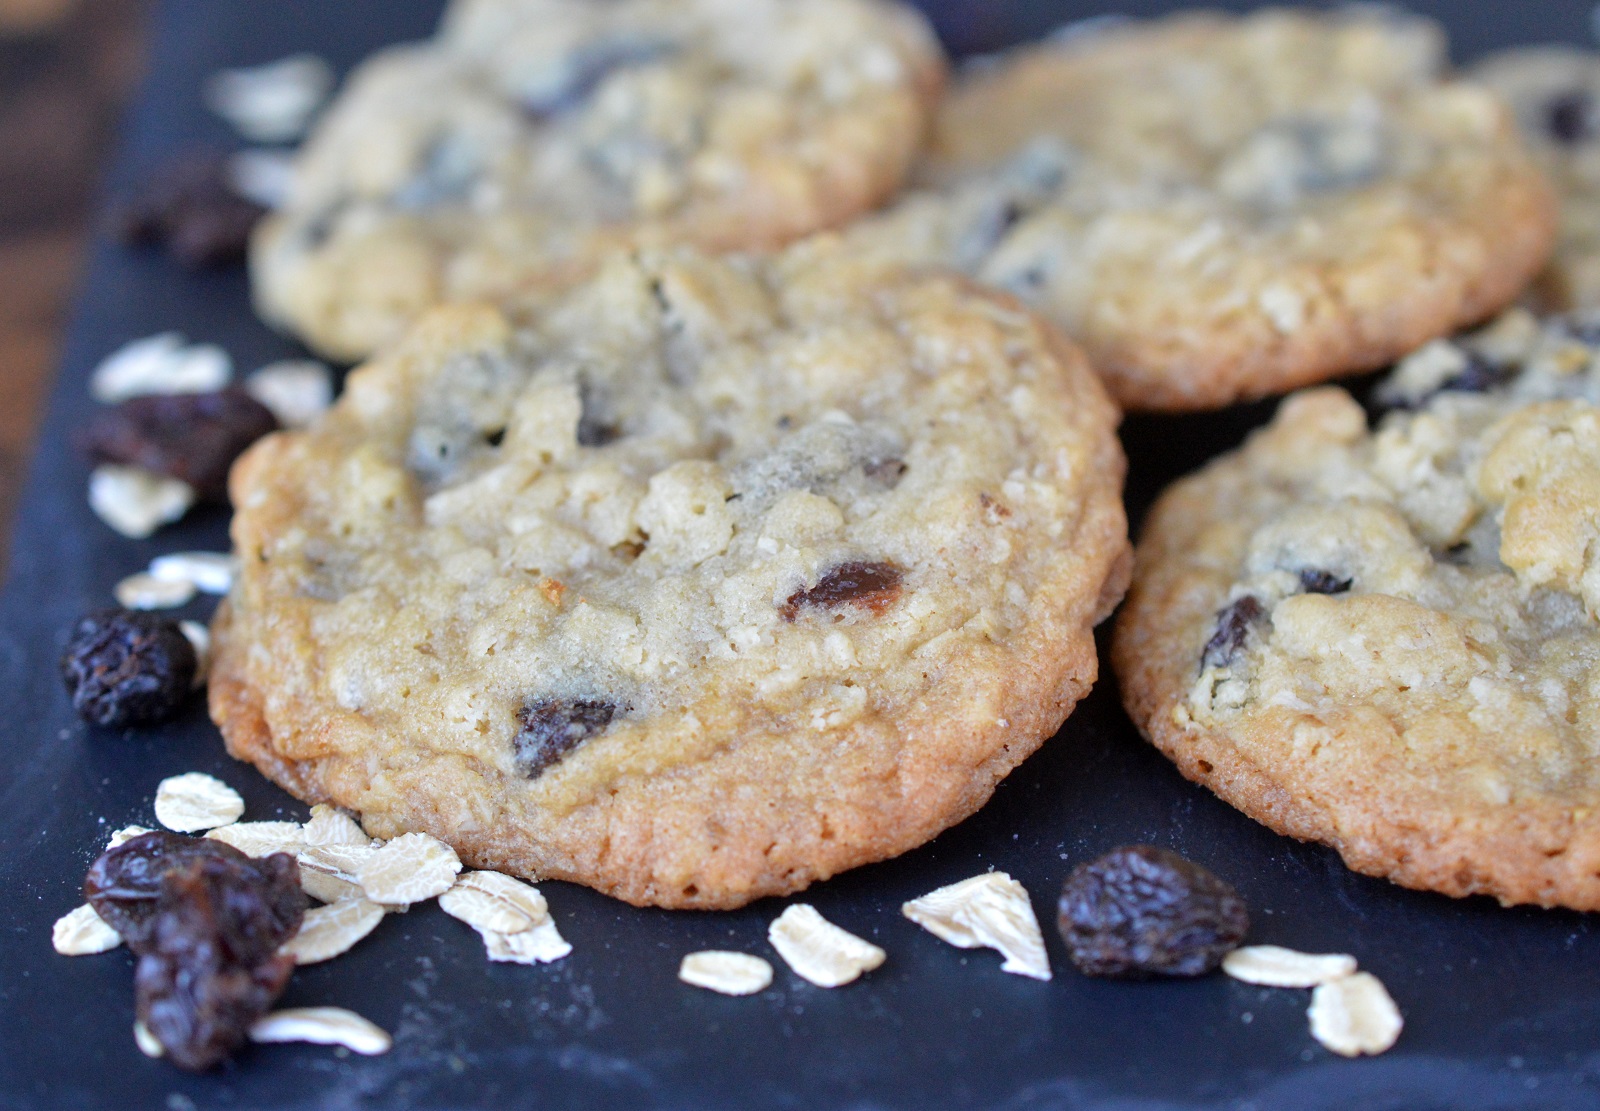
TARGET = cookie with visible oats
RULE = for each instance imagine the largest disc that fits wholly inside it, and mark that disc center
(532, 137)
(1386, 639)
(712, 580)
(1220, 208)
(1555, 93)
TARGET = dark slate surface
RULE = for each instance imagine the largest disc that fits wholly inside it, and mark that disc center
(1502, 1006)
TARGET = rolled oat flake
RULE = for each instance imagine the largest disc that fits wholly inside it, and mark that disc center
(195, 801)
(818, 950)
(725, 972)
(1354, 1015)
(322, 1026)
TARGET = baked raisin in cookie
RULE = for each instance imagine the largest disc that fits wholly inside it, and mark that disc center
(715, 579)
(1220, 208)
(1386, 639)
(531, 137)
(1555, 93)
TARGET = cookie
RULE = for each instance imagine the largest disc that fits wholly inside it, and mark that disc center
(717, 579)
(1386, 639)
(1555, 93)
(1223, 208)
(531, 137)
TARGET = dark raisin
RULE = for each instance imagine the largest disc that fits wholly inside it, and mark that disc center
(553, 727)
(194, 437)
(1315, 581)
(192, 210)
(594, 427)
(1570, 116)
(885, 472)
(1141, 911)
(1233, 628)
(870, 586)
(1478, 376)
(206, 922)
(124, 667)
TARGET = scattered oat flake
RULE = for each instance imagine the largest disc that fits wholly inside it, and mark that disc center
(495, 903)
(264, 177)
(539, 945)
(409, 869)
(331, 826)
(271, 103)
(81, 932)
(199, 636)
(136, 502)
(329, 931)
(990, 910)
(195, 801)
(260, 838)
(296, 390)
(211, 572)
(728, 973)
(148, 1043)
(126, 833)
(1272, 966)
(322, 1026)
(818, 950)
(143, 591)
(327, 885)
(328, 872)
(162, 364)
(1354, 1015)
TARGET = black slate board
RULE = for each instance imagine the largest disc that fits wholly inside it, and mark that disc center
(1502, 1006)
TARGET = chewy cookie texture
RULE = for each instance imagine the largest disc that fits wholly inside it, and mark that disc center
(1386, 639)
(711, 580)
(532, 137)
(1222, 208)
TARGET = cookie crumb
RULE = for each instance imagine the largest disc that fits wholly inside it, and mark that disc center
(725, 972)
(819, 951)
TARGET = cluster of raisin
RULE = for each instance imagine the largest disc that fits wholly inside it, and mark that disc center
(206, 922)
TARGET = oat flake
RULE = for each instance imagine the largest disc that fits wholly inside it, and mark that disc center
(262, 176)
(136, 502)
(143, 591)
(331, 826)
(409, 869)
(200, 637)
(728, 973)
(539, 945)
(148, 1043)
(495, 903)
(1275, 967)
(297, 391)
(990, 910)
(322, 1026)
(1354, 1015)
(328, 872)
(328, 931)
(211, 572)
(818, 950)
(162, 364)
(81, 932)
(271, 103)
(260, 838)
(125, 834)
(195, 801)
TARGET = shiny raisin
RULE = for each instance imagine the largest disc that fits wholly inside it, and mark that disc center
(870, 586)
(1233, 629)
(1316, 581)
(124, 667)
(553, 727)
(1141, 911)
(191, 209)
(193, 437)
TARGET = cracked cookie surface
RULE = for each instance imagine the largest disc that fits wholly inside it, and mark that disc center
(531, 137)
(1221, 208)
(1386, 639)
(714, 579)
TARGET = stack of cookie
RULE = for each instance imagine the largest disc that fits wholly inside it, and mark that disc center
(761, 525)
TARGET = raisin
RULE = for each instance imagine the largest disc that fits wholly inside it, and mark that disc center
(206, 922)
(192, 210)
(1141, 911)
(885, 472)
(193, 437)
(1478, 376)
(594, 430)
(871, 586)
(1570, 116)
(553, 727)
(1233, 627)
(127, 668)
(1316, 581)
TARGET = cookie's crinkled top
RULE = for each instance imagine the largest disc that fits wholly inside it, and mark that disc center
(1224, 207)
(635, 525)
